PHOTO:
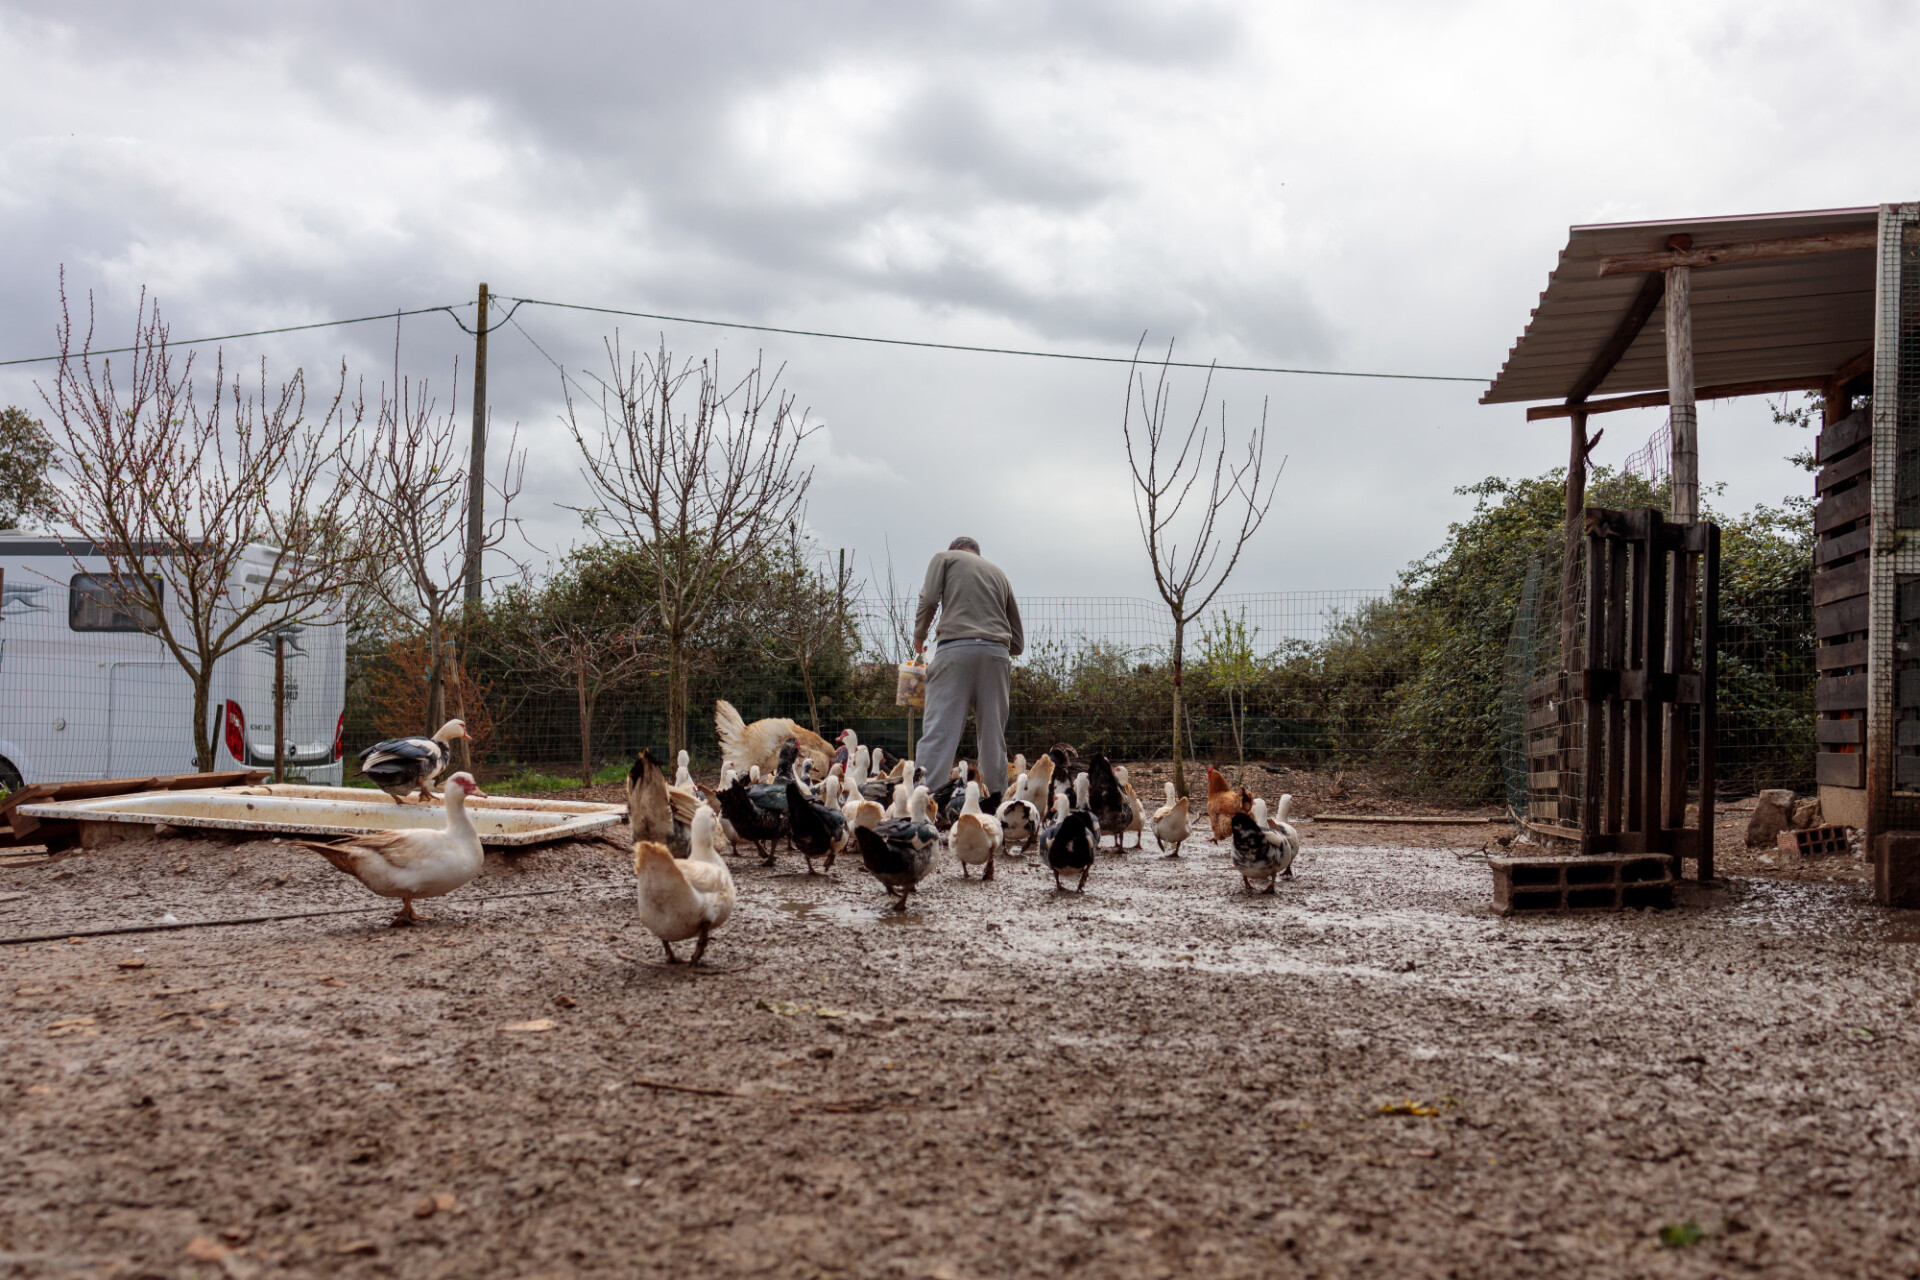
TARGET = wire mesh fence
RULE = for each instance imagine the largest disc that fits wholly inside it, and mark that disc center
(1291, 678)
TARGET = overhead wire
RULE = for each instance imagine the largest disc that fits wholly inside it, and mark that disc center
(254, 333)
(518, 302)
(998, 351)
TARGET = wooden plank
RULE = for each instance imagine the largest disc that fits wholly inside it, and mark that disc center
(1850, 733)
(1840, 693)
(1840, 770)
(1655, 399)
(1631, 322)
(1854, 429)
(1407, 820)
(1854, 542)
(1841, 619)
(1856, 464)
(1843, 583)
(1744, 251)
(1837, 657)
(1842, 508)
(1608, 522)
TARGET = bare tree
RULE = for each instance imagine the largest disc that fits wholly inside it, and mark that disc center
(174, 495)
(699, 477)
(409, 475)
(805, 618)
(1167, 467)
(569, 637)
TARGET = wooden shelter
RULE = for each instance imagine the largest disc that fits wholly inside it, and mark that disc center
(1672, 312)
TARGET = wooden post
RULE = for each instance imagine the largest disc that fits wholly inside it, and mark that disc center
(1570, 556)
(279, 706)
(1683, 417)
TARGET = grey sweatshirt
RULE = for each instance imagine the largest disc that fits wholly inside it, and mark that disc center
(975, 602)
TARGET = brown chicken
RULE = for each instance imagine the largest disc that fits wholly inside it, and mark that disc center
(759, 743)
(1223, 801)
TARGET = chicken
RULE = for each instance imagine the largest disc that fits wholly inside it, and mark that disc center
(759, 743)
(1261, 852)
(416, 863)
(1068, 844)
(1019, 818)
(974, 837)
(1170, 822)
(656, 811)
(398, 765)
(683, 899)
(817, 830)
(899, 853)
(1223, 801)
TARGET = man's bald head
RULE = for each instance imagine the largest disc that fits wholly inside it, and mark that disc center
(964, 544)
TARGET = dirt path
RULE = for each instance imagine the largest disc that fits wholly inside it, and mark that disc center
(1367, 1074)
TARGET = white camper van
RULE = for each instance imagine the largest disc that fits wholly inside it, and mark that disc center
(86, 691)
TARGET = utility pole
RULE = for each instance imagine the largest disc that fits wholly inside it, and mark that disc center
(477, 465)
(476, 491)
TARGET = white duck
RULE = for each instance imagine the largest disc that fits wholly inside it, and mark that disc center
(416, 863)
(1019, 818)
(1170, 821)
(685, 898)
(683, 777)
(975, 837)
(1137, 820)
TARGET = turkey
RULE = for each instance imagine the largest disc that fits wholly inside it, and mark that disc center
(761, 742)
(398, 765)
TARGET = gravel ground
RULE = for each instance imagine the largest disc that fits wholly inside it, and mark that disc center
(1365, 1074)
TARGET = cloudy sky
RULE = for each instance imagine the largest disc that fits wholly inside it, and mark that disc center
(1365, 187)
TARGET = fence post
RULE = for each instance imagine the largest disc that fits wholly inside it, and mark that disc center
(279, 706)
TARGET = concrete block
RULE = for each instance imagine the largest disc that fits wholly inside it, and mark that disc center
(1523, 885)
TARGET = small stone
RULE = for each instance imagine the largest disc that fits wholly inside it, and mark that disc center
(823, 1051)
(566, 1002)
(358, 1246)
(132, 964)
(425, 1207)
(1772, 814)
(1806, 814)
(205, 1249)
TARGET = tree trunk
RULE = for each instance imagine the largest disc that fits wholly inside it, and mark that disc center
(676, 696)
(586, 721)
(205, 734)
(436, 679)
(806, 680)
(1179, 758)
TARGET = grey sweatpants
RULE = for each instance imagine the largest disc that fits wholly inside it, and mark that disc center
(967, 672)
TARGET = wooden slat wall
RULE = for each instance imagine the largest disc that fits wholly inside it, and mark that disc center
(1843, 532)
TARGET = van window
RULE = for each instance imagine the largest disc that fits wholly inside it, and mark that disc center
(97, 602)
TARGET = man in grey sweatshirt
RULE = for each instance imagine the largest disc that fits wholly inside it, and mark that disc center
(980, 636)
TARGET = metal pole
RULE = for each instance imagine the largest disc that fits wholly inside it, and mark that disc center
(477, 465)
(279, 706)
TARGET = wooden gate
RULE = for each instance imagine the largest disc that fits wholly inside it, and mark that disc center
(1618, 734)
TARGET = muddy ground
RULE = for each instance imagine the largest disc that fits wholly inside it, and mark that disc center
(1366, 1074)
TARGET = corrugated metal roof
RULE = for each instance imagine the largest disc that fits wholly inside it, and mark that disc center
(1777, 318)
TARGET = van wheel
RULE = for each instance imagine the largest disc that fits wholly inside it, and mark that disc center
(10, 778)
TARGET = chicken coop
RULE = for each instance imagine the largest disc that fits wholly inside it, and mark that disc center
(1621, 733)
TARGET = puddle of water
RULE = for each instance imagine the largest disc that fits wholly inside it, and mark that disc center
(847, 914)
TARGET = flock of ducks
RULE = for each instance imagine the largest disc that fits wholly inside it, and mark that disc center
(883, 810)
